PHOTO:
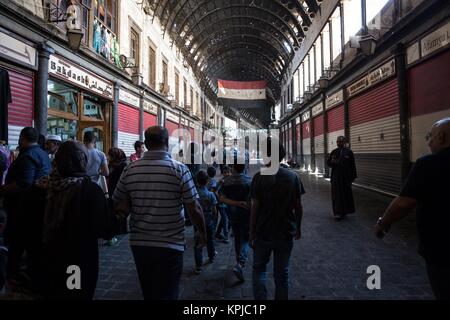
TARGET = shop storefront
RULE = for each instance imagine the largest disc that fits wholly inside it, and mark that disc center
(335, 119)
(18, 62)
(128, 121)
(78, 101)
(374, 122)
(150, 114)
(428, 72)
(306, 142)
(319, 149)
(298, 130)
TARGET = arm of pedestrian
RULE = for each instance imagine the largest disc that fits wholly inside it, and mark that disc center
(198, 220)
(399, 208)
(104, 171)
(253, 214)
(234, 203)
(298, 217)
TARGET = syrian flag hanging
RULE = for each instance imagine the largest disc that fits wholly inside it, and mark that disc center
(240, 94)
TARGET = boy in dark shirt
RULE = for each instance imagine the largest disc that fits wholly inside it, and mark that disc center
(208, 201)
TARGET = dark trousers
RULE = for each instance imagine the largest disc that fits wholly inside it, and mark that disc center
(439, 277)
(281, 254)
(223, 223)
(159, 271)
(241, 233)
(198, 252)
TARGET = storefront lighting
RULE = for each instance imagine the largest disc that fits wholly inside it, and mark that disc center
(323, 82)
(368, 45)
(74, 37)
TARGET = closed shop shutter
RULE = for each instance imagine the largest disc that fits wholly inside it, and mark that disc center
(319, 148)
(20, 110)
(290, 143)
(150, 120)
(128, 125)
(335, 122)
(429, 88)
(375, 137)
(298, 129)
(171, 126)
(306, 132)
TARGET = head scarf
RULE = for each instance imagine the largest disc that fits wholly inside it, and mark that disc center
(64, 187)
(117, 157)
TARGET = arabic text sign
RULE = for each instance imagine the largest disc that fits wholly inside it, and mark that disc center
(17, 50)
(66, 70)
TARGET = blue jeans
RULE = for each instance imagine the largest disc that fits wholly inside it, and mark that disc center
(281, 254)
(241, 241)
(159, 271)
(223, 224)
(198, 252)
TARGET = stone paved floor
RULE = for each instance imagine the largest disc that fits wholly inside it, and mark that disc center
(329, 262)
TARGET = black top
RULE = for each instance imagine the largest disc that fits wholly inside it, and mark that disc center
(275, 219)
(429, 183)
(31, 164)
(5, 98)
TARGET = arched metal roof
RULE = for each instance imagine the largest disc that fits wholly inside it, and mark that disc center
(240, 40)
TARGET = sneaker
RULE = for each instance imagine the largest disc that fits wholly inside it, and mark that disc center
(237, 270)
(111, 242)
(211, 259)
(198, 270)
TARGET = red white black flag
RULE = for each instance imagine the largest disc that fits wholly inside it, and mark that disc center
(240, 94)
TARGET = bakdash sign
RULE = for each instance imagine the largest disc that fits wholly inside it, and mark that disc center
(63, 69)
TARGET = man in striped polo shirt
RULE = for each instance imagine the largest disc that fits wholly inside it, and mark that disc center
(153, 190)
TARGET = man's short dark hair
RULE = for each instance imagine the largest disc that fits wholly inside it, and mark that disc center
(30, 134)
(239, 168)
(137, 145)
(202, 178)
(89, 137)
(156, 138)
(211, 172)
(281, 150)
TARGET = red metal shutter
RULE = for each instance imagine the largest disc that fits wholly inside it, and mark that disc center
(298, 129)
(306, 132)
(335, 122)
(171, 126)
(319, 144)
(21, 109)
(150, 120)
(128, 125)
(429, 88)
(375, 137)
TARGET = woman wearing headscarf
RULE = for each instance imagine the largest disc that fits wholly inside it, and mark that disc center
(76, 215)
(117, 161)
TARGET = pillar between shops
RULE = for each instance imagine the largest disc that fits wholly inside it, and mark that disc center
(41, 91)
(141, 116)
(114, 116)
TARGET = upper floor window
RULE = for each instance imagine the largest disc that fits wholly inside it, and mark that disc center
(106, 12)
(336, 35)
(185, 93)
(192, 98)
(165, 73)
(134, 46)
(352, 17)
(326, 46)
(152, 67)
(177, 87)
